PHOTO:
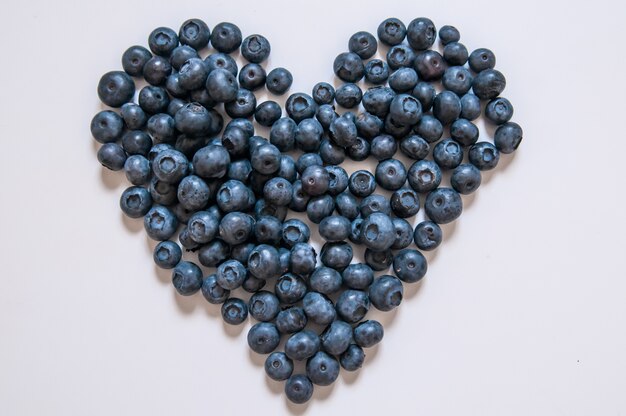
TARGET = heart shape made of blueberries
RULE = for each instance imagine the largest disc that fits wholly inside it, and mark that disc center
(225, 193)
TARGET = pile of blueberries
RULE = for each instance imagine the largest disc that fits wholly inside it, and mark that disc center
(225, 192)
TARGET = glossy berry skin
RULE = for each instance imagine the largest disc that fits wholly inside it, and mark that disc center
(163, 193)
(315, 180)
(236, 227)
(425, 93)
(234, 311)
(376, 71)
(374, 203)
(352, 359)
(160, 223)
(349, 67)
(391, 31)
(415, 147)
(278, 81)
(360, 150)
(136, 142)
(349, 95)
(484, 156)
(193, 74)
(290, 289)
(421, 33)
(482, 59)
(338, 180)
(449, 34)
(508, 137)
(167, 254)
(318, 308)
(302, 260)
(404, 233)
(187, 278)
(193, 193)
(283, 133)
(263, 337)
(233, 196)
(221, 85)
(464, 132)
(358, 276)
(386, 293)
(355, 230)
(261, 208)
(332, 154)
(309, 135)
(347, 205)
(242, 106)
(264, 306)
(368, 333)
(337, 337)
(278, 366)
(267, 113)
(252, 284)
(378, 232)
(377, 100)
(405, 203)
(153, 99)
(300, 106)
(230, 274)
(323, 93)
(156, 70)
(264, 262)
(391, 174)
(182, 54)
(107, 126)
(424, 176)
(378, 260)
(202, 227)
(226, 37)
(195, 33)
(465, 179)
(400, 56)
(291, 320)
(306, 160)
(320, 207)
(170, 166)
(212, 292)
(457, 79)
(447, 107)
(430, 65)
(488, 84)
(325, 280)
(443, 205)
(448, 154)
(116, 88)
(221, 61)
(403, 80)
(278, 191)
(134, 59)
(298, 389)
(410, 266)
(455, 53)
(405, 110)
(352, 305)
(368, 125)
(302, 345)
(255, 48)
(499, 110)
(362, 183)
(133, 115)
(343, 131)
(265, 159)
(363, 44)
(322, 369)
(336, 256)
(295, 231)
(162, 41)
(334, 228)
(429, 128)
(135, 201)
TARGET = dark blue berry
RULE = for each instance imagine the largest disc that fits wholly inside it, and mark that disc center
(424, 176)
(134, 59)
(263, 337)
(234, 311)
(352, 305)
(278, 366)
(368, 333)
(443, 205)
(508, 137)
(421, 33)
(116, 88)
(226, 37)
(376, 71)
(363, 44)
(385, 294)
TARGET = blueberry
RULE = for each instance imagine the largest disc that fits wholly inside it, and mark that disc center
(447, 107)
(268, 230)
(337, 337)
(268, 113)
(284, 256)
(135, 201)
(405, 203)
(160, 223)
(278, 366)
(332, 154)
(308, 159)
(415, 147)
(363, 44)
(290, 288)
(153, 99)
(302, 345)
(360, 150)
(264, 306)
(508, 137)
(182, 54)
(391, 31)
(137, 170)
(162, 41)
(378, 260)
(134, 59)
(470, 107)
(430, 65)
(291, 320)
(303, 259)
(193, 193)
(464, 131)
(352, 359)
(403, 80)
(343, 131)
(349, 67)
(161, 127)
(391, 174)
(362, 183)
(368, 333)
(336, 255)
(378, 232)
(315, 180)
(323, 93)
(239, 170)
(283, 133)
(226, 37)
(112, 156)
(355, 231)
(358, 276)
(455, 53)
(405, 110)
(374, 203)
(443, 205)
(425, 93)
(482, 59)
(278, 81)
(252, 284)
(234, 311)
(318, 308)
(167, 254)
(334, 228)
(187, 278)
(233, 196)
(499, 110)
(322, 369)
(421, 33)
(222, 86)
(349, 95)
(193, 74)
(202, 227)
(352, 305)
(211, 161)
(242, 106)
(429, 128)
(221, 61)
(376, 71)
(261, 208)
(163, 193)
(488, 84)
(424, 176)
(156, 70)
(300, 106)
(400, 56)
(410, 265)
(255, 48)
(213, 292)
(368, 125)
(236, 227)
(230, 274)
(457, 79)
(298, 388)
(309, 135)
(347, 205)
(484, 156)
(295, 231)
(116, 88)
(325, 280)
(385, 294)
(263, 337)
(170, 166)
(448, 34)
(195, 33)
(448, 154)
(186, 241)
(404, 234)
(396, 129)
(377, 100)
(264, 262)
(136, 142)
(134, 116)
(107, 126)
(320, 207)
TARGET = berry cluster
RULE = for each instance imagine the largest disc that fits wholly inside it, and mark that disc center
(225, 192)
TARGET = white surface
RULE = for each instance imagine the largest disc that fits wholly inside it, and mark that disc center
(523, 310)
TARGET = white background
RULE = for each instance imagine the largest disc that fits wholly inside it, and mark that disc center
(523, 310)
